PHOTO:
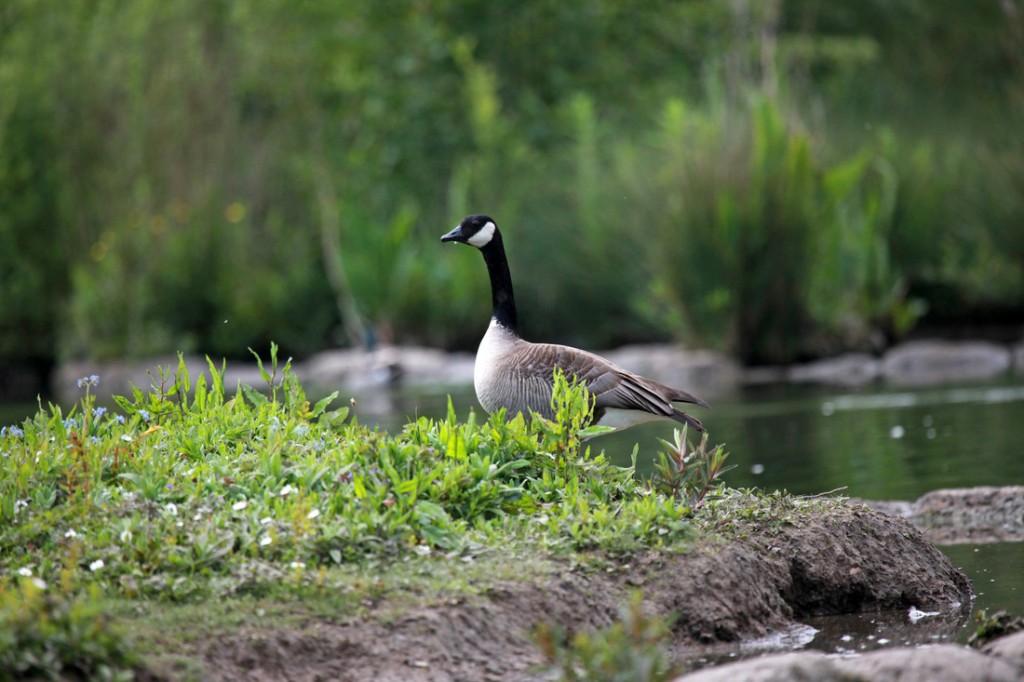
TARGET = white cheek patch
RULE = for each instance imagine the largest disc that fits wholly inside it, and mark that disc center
(483, 237)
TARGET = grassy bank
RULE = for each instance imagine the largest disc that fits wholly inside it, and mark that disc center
(192, 494)
(199, 532)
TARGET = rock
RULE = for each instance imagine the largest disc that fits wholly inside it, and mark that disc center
(929, 362)
(348, 368)
(891, 507)
(1018, 357)
(687, 369)
(420, 366)
(1009, 648)
(355, 369)
(852, 369)
(982, 514)
(765, 374)
(956, 515)
(802, 666)
(946, 662)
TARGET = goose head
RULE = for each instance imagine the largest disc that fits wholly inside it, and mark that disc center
(475, 230)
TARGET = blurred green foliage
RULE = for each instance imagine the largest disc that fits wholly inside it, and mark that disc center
(780, 179)
(48, 634)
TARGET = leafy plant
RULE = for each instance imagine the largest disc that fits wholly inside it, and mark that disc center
(49, 634)
(188, 481)
(686, 473)
(631, 650)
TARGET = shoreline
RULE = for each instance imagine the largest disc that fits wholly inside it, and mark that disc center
(911, 364)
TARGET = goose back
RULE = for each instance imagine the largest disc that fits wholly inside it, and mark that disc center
(517, 375)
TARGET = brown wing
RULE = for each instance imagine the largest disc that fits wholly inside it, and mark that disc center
(611, 386)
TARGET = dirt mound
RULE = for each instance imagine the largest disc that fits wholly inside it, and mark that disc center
(849, 559)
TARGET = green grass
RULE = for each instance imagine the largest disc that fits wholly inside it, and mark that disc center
(190, 504)
(188, 492)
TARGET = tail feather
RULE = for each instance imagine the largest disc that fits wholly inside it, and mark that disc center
(684, 418)
(680, 396)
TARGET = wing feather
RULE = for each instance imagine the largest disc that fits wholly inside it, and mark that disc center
(611, 386)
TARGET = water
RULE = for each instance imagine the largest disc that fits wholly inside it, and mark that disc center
(875, 444)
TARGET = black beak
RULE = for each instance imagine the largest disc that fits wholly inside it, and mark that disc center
(454, 236)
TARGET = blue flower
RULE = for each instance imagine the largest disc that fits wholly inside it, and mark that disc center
(98, 412)
(13, 430)
(70, 423)
(144, 414)
(119, 418)
(91, 380)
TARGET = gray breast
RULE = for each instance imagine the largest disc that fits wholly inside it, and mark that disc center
(508, 374)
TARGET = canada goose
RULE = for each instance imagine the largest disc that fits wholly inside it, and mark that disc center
(518, 375)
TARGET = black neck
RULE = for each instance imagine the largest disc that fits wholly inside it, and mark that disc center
(502, 299)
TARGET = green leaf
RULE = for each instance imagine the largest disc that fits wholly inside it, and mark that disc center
(321, 405)
(259, 364)
(594, 430)
(254, 396)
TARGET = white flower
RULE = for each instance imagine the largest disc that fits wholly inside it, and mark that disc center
(422, 550)
(240, 505)
(172, 509)
(39, 582)
(265, 540)
(266, 520)
(126, 535)
(287, 490)
(313, 513)
(25, 571)
(126, 438)
(70, 533)
(96, 565)
(297, 564)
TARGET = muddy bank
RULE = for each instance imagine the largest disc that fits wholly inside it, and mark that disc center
(771, 575)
